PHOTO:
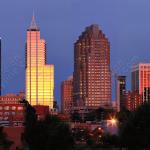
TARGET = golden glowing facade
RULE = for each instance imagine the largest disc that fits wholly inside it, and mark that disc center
(39, 75)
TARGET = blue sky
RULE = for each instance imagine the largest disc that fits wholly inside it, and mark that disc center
(126, 23)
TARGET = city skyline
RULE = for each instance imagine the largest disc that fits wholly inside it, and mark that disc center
(123, 50)
(74, 74)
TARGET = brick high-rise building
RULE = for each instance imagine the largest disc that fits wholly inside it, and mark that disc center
(120, 91)
(92, 75)
(39, 75)
(66, 95)
(141, 80)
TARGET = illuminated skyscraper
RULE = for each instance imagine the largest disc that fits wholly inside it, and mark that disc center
(39, 75)
(141, 80)
(92, 77)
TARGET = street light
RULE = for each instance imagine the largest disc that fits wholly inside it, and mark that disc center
(113, 121)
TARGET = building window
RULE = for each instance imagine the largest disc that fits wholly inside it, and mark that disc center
(6, 113)
(6, 107)
(20, 108)
(13, 107)
(13, 113)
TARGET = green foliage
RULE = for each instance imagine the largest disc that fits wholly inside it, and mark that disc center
(47, 134)
(90, 142)
(30, 115)
(80, 135)
(91, 116)
(99, 114)
(135, 132)
(110, 140)
(123, 115)
(50, 133)
(76, 117)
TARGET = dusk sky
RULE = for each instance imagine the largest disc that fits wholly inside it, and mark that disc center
(126, 23)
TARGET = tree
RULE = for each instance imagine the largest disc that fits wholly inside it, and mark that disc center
(81, 135)
(48, 134)
(76, 117)
(123, 115)
(99, 114)
(30, 115)
(91, 116)
(30, 122)
(135, 132)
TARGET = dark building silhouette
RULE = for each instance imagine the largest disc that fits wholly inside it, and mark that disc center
(120, 91)
(92, 77)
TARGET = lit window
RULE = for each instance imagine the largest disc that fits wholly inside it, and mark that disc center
(13, 107)
(6, 107)
(20, 108)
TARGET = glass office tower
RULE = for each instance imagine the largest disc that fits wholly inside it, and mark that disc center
(39, 75)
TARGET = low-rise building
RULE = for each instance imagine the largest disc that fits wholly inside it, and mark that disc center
(11, 110)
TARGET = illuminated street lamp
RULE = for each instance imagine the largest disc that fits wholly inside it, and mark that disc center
(113, 121)
(111, 126)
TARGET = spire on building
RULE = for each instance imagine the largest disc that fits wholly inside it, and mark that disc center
(33, 25)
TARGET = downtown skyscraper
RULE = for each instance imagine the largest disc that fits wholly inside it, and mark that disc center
(92, 75)
(39, 75)
(140, 80)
